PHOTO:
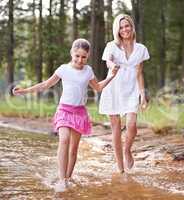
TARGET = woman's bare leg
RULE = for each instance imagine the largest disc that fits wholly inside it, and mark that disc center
(63, 149)
(131, 132)
(116, 139)
(73, 149)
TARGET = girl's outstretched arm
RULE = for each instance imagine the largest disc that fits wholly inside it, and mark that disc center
(38, 87)
(98, 86)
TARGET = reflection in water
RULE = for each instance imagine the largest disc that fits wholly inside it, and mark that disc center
(28, 170)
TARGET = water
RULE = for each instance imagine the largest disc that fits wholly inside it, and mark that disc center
(28, 170)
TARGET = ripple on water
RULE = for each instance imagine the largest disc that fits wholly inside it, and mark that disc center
(28, 170)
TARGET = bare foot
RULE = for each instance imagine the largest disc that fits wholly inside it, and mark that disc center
(61, 186)
(121, 171)
(71, 182)
(128, 160)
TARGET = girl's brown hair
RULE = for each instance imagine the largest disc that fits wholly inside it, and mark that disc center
(81, 44)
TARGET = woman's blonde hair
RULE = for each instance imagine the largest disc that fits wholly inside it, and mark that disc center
(116, 27)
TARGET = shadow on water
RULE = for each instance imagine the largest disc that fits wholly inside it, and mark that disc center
(28, 170)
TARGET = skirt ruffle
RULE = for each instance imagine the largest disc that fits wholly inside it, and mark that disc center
(75, 117)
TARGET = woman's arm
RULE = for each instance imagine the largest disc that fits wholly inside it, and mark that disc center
(38, 87)
(111, 64)
(140, 79)
(98, 86)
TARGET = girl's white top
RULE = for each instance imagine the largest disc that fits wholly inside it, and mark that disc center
(121, 95)
(75, 83)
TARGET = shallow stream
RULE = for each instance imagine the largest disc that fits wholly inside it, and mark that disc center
(28, 170)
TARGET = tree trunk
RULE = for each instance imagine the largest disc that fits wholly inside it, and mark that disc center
(182, 52)
(62, 19)
(162, 46)
(109, 21)
(40, 46)
(97, 37)
(39, 61)
(34, 38)
(50, 37)
(10, 52)
(138, 15)
(50, 58)
(75, 20)
(182, 37)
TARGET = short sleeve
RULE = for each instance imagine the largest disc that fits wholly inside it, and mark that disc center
(145, 55)
(108, 52)
(59, 71)
(91, 74)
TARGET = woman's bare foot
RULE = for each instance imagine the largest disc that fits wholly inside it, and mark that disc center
(128, 160)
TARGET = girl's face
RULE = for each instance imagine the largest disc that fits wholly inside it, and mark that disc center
(79, 58)
(125, 29)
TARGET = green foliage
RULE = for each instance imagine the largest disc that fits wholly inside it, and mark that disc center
(57, 36)
(94, 114)
(159, 116)
(84, 19)
(154, 11)
(122, 8)
(26, 106)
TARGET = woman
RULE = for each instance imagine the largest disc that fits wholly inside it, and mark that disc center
(121, 96)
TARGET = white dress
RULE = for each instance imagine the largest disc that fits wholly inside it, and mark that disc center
(121, 95)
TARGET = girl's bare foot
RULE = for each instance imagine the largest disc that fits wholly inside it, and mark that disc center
(61, 186)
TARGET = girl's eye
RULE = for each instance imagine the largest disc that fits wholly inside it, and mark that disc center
(83, 57)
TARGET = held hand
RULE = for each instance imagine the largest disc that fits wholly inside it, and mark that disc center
(114, 70)
(144, 103)
(18, 91)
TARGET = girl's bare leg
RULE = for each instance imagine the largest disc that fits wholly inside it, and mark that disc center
(63, 149)
(131, 132)
(116, 139)
(73, 149)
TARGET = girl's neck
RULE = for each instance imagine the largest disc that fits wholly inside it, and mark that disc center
(76, 67)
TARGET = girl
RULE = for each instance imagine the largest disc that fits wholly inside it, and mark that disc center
(121, 96)
(71, 118)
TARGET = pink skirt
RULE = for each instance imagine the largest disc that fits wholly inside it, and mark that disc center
(75, 117)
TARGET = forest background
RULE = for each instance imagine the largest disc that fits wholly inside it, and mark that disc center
(36, 37)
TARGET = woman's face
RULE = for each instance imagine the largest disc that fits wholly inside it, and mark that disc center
(125, 30)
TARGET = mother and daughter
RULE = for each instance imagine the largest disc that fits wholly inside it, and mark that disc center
(120, 96)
